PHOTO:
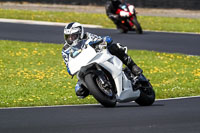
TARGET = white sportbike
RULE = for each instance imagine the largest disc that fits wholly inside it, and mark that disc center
(106, 79)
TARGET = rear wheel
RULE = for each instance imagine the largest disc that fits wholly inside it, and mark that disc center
(147, 95)
(123, 30)
(102, 92)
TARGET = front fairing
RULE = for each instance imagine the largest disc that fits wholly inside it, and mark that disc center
(81, 59)
(85, 57)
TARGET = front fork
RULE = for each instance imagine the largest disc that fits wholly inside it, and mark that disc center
(97, 70)
(131, 21)
(104, 81)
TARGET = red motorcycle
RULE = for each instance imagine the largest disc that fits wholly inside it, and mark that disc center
(128, 19)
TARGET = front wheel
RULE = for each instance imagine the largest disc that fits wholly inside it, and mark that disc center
(147, 94)
(101, 92)
(137, 26)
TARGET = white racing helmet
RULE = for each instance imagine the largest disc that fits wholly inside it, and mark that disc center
(73, 33)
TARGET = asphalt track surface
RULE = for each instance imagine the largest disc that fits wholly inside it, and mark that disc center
(157, 41)
(170, 116)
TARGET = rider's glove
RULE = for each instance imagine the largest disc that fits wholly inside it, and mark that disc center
(114, 16)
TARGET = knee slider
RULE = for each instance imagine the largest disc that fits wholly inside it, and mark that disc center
(82, 91)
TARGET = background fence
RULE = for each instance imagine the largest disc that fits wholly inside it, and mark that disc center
(183, 4)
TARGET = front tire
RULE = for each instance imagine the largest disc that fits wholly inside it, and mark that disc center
(107, 99)
(137, 26)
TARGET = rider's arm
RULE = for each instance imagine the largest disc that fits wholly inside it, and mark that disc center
(109, 11)
(93, 39)
(65, 55)
(98, 42)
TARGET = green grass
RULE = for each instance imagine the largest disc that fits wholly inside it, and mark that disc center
(34, 74)
(147, 22)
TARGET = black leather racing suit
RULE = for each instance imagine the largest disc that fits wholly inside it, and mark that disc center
(111, 8)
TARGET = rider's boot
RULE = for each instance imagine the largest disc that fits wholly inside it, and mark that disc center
(132, 66)
(120, 52)
(81, 91)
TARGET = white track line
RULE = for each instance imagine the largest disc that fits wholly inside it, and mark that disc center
(43, 23)
(177, 98)
(80, 105)
(56, 106)
(173, 32)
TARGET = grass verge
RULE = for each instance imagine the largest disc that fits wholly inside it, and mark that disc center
(34, 74)
(147, 22)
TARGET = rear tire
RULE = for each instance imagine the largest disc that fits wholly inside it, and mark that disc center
(147, 94)
(122, 28)
(123, 31)
(99, 95)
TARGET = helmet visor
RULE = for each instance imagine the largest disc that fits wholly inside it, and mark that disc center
(70, 38)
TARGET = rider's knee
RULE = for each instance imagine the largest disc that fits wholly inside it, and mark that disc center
(81, 91)
(117, 48)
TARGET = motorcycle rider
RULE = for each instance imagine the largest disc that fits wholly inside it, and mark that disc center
(75, 38)
(114, 12)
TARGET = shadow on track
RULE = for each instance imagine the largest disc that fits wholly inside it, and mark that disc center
(136, 106)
